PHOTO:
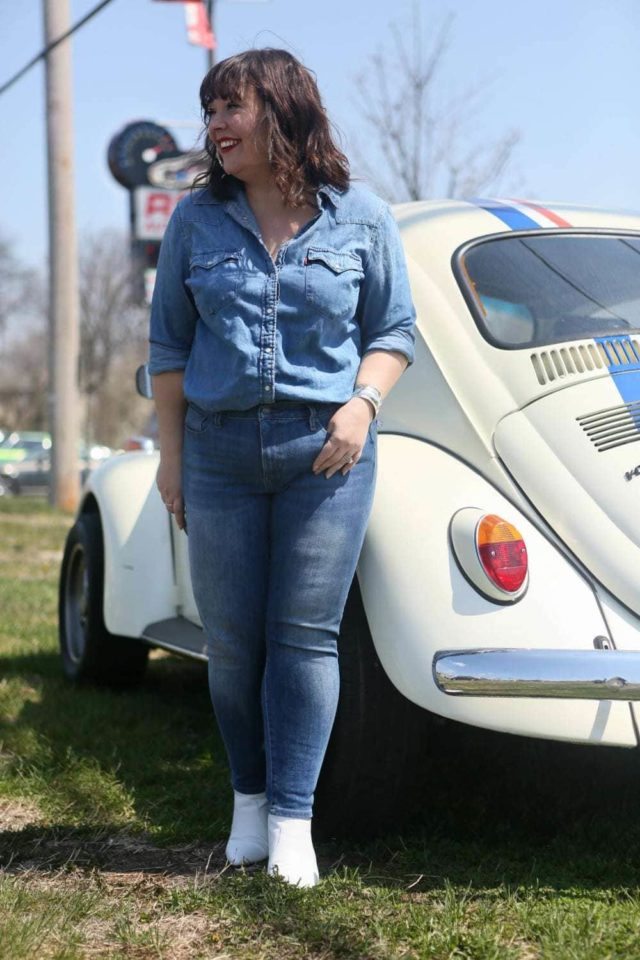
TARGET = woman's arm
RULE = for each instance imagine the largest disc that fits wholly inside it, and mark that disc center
(171, 406)
(349, 424)
(387, 318)
(382, 369)
(171, 332)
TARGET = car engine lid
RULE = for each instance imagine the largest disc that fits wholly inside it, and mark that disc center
(575, 453)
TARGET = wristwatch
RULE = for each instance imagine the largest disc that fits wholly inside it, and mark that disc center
(368, 392)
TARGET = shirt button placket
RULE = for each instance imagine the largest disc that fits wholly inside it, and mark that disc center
(278, 264)
(269, 387)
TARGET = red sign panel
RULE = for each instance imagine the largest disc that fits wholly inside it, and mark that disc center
(199, 30)
(152, 210)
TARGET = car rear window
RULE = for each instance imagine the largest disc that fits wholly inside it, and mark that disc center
(533, 290)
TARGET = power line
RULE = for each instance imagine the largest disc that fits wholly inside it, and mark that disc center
(43, 53)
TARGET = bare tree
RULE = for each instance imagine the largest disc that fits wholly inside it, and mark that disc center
(24, 374)
(23, 359)
(21, 293)
(110, 320)
(113, 338)
(423, 144)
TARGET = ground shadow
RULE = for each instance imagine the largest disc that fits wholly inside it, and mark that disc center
(496, 809)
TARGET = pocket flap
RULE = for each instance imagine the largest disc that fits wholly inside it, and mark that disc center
(208, 260)
(336, 260)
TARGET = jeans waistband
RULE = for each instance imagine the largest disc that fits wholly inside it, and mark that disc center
(280, 409)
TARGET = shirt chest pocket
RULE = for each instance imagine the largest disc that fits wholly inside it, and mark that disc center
(214, 279)
(332, 282)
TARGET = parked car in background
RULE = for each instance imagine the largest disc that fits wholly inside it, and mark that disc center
(31, 474)
(498, 583)
(20, 444)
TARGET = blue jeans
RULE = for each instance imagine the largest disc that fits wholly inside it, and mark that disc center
(273, 549)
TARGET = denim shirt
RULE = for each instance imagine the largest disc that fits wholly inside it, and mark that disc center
(249, 330)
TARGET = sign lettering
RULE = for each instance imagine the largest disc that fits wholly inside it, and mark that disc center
(152, 209)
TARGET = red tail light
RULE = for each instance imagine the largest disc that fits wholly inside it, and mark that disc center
(502, 552)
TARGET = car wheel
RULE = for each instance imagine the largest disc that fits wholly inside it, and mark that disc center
(7, 488)
(89, 651)
(375, 772)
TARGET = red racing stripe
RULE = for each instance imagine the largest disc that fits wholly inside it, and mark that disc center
(559, 222)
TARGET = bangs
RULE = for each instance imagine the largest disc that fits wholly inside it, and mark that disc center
(227, 81)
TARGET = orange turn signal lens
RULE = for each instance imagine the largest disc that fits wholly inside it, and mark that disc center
(502, 552)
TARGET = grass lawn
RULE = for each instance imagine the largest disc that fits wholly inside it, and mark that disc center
(114, 809)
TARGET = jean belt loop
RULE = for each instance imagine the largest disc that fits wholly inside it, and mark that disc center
(216, 416)
(314, 423)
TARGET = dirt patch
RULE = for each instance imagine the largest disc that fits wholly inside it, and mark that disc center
(120, 855)
(132, 879)
(35, 519)
(46, 556)
(132, 916)
(18, 814)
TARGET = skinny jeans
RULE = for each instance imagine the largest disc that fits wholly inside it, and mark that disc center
(273, 549)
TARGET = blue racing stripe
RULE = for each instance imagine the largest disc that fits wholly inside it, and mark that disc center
(509, 215)
(625, 372)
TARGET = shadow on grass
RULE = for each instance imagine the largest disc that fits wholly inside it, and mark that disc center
(513, 810)
(148, 759)
(137, 780)
(109, 849)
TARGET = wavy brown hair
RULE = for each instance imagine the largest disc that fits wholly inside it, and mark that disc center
(302, 152)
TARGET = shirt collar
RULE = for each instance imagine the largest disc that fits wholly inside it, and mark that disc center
(331, 192)
(325, 189)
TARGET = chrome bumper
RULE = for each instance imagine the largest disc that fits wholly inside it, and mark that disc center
(563, 674)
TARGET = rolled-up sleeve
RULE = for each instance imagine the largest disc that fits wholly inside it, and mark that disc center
(386, 311)
(173, 312)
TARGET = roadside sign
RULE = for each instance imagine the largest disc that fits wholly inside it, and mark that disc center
(152, 209)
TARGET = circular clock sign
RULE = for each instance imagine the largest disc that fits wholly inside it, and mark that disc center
(137, 146)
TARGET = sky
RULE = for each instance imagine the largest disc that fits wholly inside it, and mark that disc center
(562, 72)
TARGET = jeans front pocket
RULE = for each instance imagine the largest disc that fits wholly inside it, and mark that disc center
(324, 412)
(196, 420)
(332, 282)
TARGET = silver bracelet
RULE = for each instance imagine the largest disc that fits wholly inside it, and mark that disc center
(368, 392)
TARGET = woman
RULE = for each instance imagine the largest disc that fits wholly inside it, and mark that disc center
(281, 317)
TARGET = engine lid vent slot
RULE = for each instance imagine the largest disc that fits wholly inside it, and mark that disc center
(581, 358)
(613, 427)
(561, 362)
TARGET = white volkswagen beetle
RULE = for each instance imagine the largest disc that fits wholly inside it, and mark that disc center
(499, 582)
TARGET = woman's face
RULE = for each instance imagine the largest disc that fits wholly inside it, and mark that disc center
(235, 128)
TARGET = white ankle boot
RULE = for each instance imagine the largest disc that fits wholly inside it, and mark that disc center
(291, 853)
(249, 840)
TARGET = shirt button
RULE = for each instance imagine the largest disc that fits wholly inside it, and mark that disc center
(267, 349)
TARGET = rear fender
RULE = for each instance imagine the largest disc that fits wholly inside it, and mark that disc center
(139, 584)
(418, 602)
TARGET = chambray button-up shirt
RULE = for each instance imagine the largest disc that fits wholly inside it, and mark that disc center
(248, 330)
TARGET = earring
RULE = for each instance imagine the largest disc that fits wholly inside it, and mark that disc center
(218, 161)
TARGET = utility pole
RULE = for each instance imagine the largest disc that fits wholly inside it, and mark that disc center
(63, 398)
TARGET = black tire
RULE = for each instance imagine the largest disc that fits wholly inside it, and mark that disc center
(376, 766)
(8, 487)
(89, 652)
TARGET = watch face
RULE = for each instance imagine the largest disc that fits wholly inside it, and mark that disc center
(133, 150)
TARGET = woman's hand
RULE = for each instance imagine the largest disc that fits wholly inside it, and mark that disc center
(348, 430)
(169, 483)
